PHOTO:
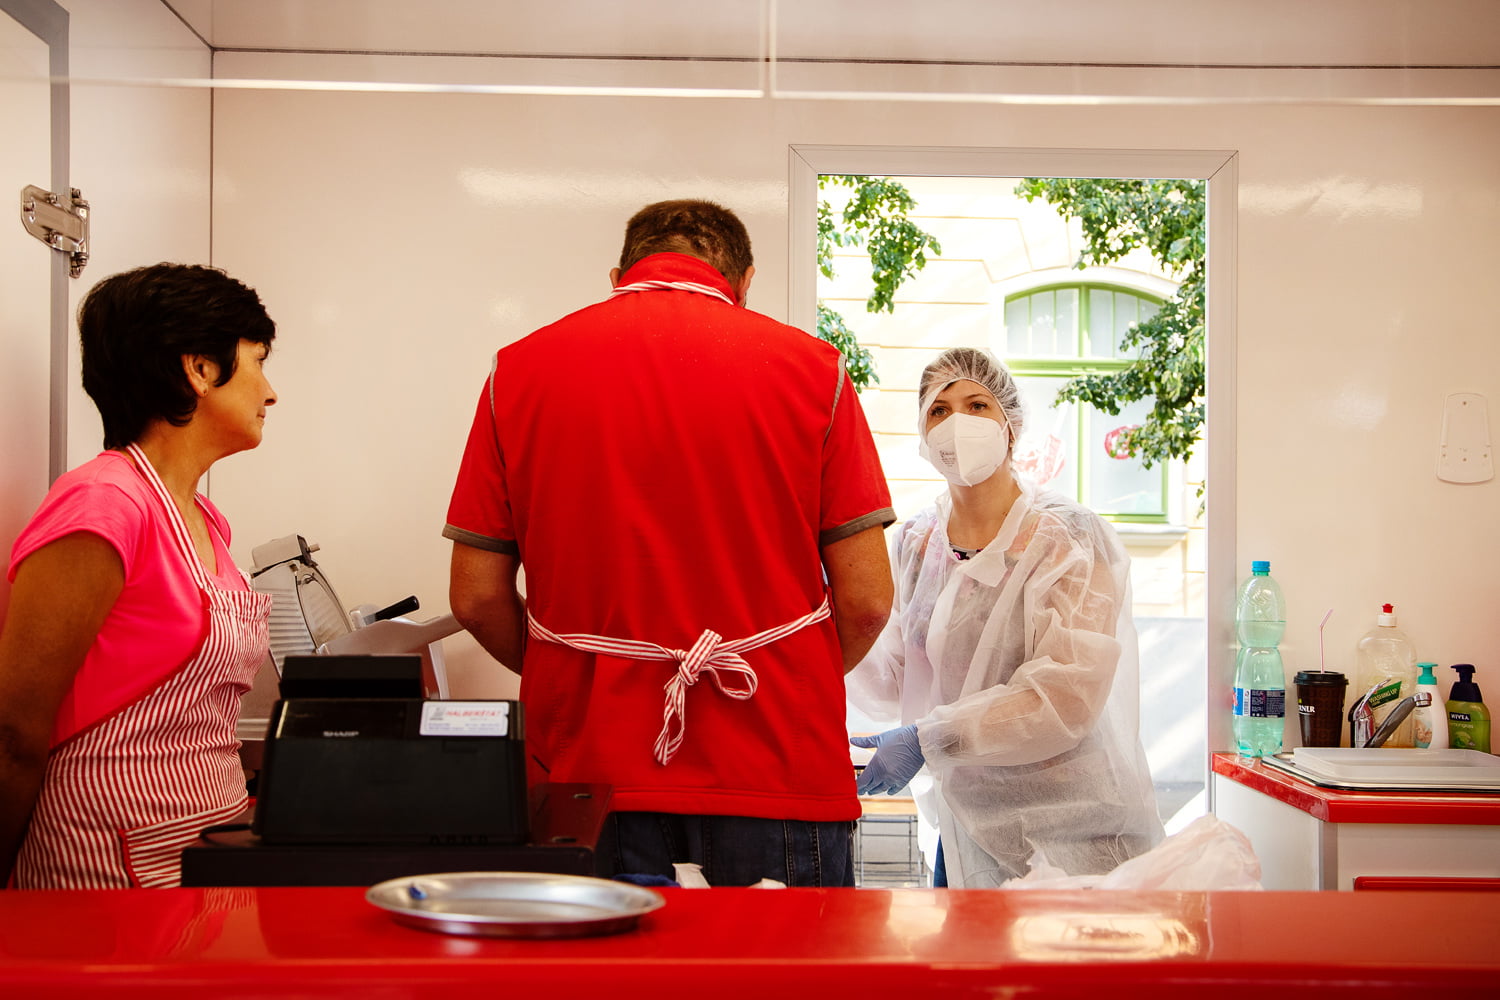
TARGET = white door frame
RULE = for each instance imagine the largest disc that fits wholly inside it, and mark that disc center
(1221, 169)
(49, 22)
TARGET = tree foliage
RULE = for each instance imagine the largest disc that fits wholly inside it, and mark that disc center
(1167, 217)
(877, 218)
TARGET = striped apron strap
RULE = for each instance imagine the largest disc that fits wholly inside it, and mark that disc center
(174, 517)
(710, 655)
(681, 286)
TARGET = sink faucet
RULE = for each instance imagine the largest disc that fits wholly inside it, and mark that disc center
(1362, 718)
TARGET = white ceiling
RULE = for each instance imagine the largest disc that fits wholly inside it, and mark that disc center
(1095, 32)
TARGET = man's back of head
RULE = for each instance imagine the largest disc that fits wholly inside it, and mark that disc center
(701, 229)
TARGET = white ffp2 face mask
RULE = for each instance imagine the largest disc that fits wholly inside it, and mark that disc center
(966, 449)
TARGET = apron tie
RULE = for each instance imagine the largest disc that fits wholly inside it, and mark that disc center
(720, 660)
(678, 286)
(704, 656)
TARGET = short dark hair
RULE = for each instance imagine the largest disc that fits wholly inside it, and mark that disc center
(136, 326)
(699, 229)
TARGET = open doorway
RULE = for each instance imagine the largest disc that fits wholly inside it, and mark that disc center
(1006, 281)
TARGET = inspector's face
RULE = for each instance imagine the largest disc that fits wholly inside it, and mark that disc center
(963, 396)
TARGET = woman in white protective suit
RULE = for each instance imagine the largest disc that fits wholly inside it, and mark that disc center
(1010, 659)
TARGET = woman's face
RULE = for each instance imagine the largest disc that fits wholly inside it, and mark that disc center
(238, 407)
(963, 396)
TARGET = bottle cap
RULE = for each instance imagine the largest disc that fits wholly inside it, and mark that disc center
(1427, 673)
(1387, 615)
(1260, 567)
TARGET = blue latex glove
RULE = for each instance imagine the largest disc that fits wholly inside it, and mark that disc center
(898, 758)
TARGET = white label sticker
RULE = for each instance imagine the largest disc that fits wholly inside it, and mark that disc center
(465, 718)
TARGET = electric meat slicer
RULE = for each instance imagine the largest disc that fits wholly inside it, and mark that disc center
(307, 618)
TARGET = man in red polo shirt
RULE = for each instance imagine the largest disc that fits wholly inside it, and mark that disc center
(692, 490)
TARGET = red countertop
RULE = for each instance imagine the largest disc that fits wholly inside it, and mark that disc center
(1335, 806)
(762, 943)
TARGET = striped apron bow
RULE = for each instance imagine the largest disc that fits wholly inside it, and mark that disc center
(709, 654)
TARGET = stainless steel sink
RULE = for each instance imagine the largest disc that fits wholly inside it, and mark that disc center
(1387, 768)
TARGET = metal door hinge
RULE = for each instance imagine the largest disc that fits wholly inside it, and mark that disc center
(62, 226)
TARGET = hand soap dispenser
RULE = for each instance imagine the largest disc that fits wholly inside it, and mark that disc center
(1468, 719)
(1430, 722)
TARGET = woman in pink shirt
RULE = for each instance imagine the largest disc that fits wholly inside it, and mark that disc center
(131, 635)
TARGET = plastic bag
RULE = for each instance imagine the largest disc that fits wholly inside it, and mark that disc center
(1206, 855)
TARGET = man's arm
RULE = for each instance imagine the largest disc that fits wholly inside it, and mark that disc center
(482, 593)
(859, 572)
(63, 593)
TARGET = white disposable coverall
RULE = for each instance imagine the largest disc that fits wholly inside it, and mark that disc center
(1019, 667)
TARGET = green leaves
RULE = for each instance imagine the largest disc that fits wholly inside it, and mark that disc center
(1167, 217)
(875, 217)
(858, 362)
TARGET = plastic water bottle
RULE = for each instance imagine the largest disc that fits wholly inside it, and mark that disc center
(1259, 678)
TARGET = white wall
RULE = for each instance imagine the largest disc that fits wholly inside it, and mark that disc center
(400, 238)
(140, 154)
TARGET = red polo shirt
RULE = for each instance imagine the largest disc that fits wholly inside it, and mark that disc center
(665, 463)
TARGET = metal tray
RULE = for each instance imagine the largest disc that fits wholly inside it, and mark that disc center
(514, 904)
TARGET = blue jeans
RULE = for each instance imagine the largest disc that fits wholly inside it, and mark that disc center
(732, 850)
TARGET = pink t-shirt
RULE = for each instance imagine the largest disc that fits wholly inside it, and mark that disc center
(158, 621)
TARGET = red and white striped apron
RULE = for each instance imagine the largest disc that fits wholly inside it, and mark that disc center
(710, 654)
(121, 799)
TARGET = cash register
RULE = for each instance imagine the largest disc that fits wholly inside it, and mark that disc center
(364, 779)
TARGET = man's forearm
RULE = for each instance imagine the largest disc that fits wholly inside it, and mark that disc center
(859, 574)
(502, 632)
(486, 601)
(857, 635)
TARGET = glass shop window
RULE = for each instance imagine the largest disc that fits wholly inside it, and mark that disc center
(1050, 335)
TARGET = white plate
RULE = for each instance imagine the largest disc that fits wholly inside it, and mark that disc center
(1391, 767)
(514, 904)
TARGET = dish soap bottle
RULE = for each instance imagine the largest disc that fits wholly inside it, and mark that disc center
(1430, 722)
(1388, 669)
(1468, 719)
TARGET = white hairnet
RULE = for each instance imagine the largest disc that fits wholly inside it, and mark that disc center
(1019, 667)
(976, 366)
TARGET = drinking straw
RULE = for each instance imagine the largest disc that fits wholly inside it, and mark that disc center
(1321, 664)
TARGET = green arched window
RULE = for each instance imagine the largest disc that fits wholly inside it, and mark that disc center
(1054, 333)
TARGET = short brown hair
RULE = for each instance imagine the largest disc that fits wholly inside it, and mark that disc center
(699, 229)
(135, 327)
